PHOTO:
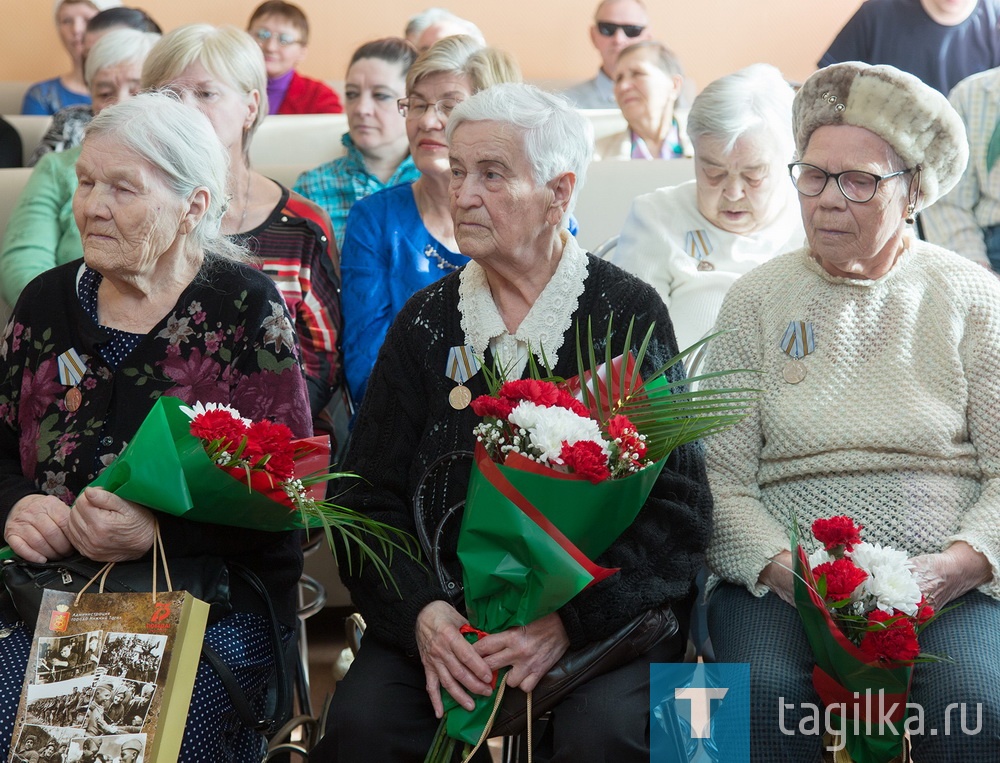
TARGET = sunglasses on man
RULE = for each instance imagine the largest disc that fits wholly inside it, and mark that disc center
(607, 29)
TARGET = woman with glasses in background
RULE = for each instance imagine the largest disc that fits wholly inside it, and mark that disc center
(282, 31)
(378, 151)
(402, 239)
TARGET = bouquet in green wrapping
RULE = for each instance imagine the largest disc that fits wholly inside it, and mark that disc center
(561, 470)
(862, 612)
(208, 464)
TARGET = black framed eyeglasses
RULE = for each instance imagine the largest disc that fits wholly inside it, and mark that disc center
(608, 29)
(856, 185)
(284, 40)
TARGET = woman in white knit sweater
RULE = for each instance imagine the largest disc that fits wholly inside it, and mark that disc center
(692, 241)
(879, 358)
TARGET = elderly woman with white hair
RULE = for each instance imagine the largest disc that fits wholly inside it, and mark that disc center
(877, 357)
(161, 304)
(518, 157)
(41, 232)
(692, 241)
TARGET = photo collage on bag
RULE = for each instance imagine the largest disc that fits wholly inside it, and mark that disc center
(90, 698)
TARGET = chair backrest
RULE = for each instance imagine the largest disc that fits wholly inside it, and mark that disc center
(611, 186)
(306, 140)
(31, 129)
(12, 95)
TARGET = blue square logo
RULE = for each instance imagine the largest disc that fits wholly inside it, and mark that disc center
(699, 713)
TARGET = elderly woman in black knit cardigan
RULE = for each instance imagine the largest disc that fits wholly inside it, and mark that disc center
(518, 158)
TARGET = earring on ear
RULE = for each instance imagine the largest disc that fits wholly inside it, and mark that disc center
(910, 210)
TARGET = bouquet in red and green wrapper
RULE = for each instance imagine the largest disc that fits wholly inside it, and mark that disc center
(561, 469)
(208, 464)
(862, 611)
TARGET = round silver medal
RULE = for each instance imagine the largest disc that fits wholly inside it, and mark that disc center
(794, 372)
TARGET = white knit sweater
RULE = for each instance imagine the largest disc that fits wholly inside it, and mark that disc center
(896, 424)
(653, 247)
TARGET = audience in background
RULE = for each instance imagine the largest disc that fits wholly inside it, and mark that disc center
(648, 81)
(41, 232)
(939, 41)
(967, 219)
(66, 129)
(47, 97)
(433, 24)
(617, 24)
(282, 31)
(692, 241)
(378, 151)
(403, 238)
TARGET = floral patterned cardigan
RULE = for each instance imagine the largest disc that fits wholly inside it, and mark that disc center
(228, 339)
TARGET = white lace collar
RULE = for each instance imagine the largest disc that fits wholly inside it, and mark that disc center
(543, 327)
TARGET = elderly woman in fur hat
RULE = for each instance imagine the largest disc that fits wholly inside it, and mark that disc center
(878, 358)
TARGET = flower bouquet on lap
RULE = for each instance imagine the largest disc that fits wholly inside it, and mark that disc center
(862, 611)
(561, 469)
(207, 463)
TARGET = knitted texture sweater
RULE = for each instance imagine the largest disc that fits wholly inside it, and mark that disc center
(406, 423)
(896, 423)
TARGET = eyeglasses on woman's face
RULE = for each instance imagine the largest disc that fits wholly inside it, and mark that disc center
(414, 107)
(856, 185)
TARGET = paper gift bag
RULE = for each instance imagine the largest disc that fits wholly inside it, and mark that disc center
(108, 673)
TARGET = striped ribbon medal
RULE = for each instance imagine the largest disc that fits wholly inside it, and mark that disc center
(462, 365)
(797, 342)
(698, 245)
(71, 371)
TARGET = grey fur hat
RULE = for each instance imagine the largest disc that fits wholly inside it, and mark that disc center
(913, 118)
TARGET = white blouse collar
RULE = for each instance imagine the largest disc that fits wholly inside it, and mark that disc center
(542, 329)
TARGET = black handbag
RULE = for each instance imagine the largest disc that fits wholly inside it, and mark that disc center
(580, 665)
(204, 577)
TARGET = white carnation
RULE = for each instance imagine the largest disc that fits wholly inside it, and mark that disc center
(548, 428)
(818, 557)
(890, 582)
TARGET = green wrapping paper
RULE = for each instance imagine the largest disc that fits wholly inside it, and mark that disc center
(527, 538)
(165, 467)
(842, 669)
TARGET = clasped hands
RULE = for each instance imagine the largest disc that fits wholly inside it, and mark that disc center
(100, 525)
(942, 577)
(460, 668)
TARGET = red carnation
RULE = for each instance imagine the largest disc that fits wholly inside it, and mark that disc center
(621, 428)
(587, 459)
(837, 531)
(542, 393)
(218, 425)
(842, 578)
(924, 611)
(273, 440)
(891, 639)
(487, 405)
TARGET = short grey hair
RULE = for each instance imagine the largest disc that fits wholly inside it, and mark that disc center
(756, 97)
(556, 137)
(181, 144)
(428, 18)
(118, 46)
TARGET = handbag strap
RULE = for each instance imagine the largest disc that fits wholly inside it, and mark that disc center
(102, 574)
(239, 699)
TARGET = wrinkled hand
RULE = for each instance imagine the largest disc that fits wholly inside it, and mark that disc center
(450, 662)
(36, 528)
(777, 576)
(106, 528)
(955, 571)
(530, 651)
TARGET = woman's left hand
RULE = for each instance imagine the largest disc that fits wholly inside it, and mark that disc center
(106, 528)
(530, 651)
(955, 571)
